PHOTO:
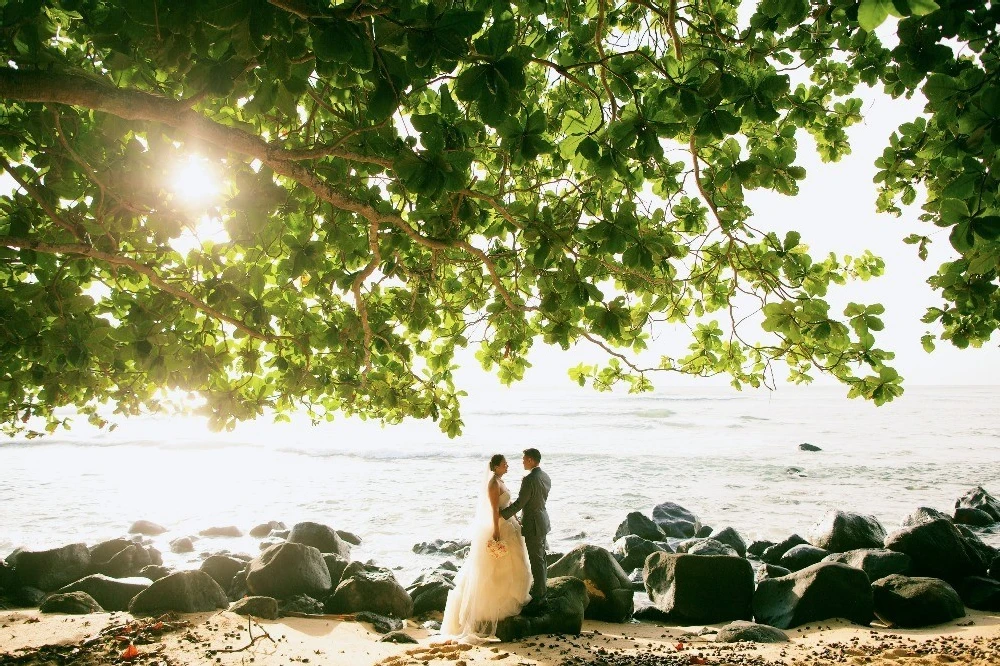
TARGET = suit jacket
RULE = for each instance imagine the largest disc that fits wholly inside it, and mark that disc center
(531, 503)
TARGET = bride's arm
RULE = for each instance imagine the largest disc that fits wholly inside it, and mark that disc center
(495, 503)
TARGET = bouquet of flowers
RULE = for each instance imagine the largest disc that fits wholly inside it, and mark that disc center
(496, 548)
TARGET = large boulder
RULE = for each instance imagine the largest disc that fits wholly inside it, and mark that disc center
(287, 569)
(706, 546)
(320, 537)
(155, 572)
(561, 612)
(638, 524)
(264, 529)
(802, 556)
(457, 548)
(764, 571)
(266, 608)
(876, 562)
(222, 569)
(820, 592)
(731, 538)
(183, 592)
(980, 552)
(699, 589)
(750, 632)
(631, 551)
(840, 531)
(6, 575)
(336, 565)
(127, 562)
(972, 517)
(372, 589)
(938, 550)
(49, 570)
(70, 603)
(924, 514)
(349, 537)
(182, 545)
(146, 528)
(300, 603)
(430, 591)
(675, 520)
(113, 594)
(980, 593)
(607, 584)
(978, 498)
(104, 551)
(901, 601)
(773, 554)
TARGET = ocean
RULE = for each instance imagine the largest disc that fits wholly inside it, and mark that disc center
(732, 458)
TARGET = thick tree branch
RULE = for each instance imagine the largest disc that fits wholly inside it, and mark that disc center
(76, 230)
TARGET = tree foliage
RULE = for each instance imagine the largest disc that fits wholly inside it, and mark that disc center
(406, 178)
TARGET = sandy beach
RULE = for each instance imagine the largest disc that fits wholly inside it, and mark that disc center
(223, 638)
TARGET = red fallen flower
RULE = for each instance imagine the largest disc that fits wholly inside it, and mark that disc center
(697, 660)
(131, 652)
(158, 626)
(679, 646)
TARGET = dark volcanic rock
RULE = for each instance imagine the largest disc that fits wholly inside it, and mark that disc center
(901, 601)
(182, 545)
(227, 531)
(704, 532)
(442, 546)
(731, 538)
(28, 596)
(757, 548)
(264, 529)
(320, 537)
(809, 447)
(978, 498)
(639, 525)
(155, 571)
(820, 592)
(980, 593)
(631, 551)
(71, 603)
(113, 594)
(335, 564)
(430, 592)
(184, 592)
(876, 562)
(104, 551)
(750, 632)
(265, 608)
(562, 612)
(675, 520)
(938, 550)
(802, 556)
(287, 569)
(773, 554)
(222, 569)
(765, 571)
(128, 562)
(49, 570)
(301, 603)
(383, 624)
(924, 515)
(841, 531)
(610, 590)
(349, 537)
(370, 589)
(398, 637)
(146, 527)
(973, 517)
(706, 546)
(699, 589)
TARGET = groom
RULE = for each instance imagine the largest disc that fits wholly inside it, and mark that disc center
(534, 519)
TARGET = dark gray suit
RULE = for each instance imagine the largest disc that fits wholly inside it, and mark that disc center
(534, 524)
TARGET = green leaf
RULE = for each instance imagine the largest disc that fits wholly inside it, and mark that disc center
(872, 13)
(987, 227)
(922, 7)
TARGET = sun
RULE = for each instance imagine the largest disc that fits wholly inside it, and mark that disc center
(195, 182)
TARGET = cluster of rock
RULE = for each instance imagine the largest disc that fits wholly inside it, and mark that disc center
(307, 569)
(922, 574)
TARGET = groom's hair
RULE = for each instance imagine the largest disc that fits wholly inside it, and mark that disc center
(533, 454)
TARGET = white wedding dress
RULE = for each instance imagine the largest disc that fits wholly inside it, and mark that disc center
(487, 588)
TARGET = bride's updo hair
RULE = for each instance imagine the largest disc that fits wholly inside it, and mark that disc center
(495, 461)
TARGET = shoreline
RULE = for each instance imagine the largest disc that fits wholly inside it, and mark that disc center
(971, 641)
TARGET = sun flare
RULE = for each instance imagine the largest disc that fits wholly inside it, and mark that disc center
(195, 182)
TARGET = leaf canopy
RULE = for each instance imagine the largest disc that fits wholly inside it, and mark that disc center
(402, 179)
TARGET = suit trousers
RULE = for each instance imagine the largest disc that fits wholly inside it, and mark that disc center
(536, 558)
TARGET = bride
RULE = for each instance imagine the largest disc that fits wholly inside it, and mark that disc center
(495, 579)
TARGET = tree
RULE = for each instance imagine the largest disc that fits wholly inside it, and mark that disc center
(403, 179)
